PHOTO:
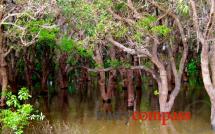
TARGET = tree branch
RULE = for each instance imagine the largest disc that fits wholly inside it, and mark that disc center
(211, 20)
(120, 46)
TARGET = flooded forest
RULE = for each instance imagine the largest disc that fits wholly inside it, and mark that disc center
(107, 66)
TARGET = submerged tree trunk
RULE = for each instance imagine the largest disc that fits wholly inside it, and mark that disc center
(138, 74)
(203, 38)
(29, 69)
(63, 81)
(213, 115)
(131, 97)
(99, 61)
(212, 67)
(12, 72)
(3, 73)
(112, 76)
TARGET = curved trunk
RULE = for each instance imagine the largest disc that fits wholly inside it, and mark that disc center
(212, 67)
(212, 62)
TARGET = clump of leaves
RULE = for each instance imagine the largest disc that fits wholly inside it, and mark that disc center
(18, 114)
(113, 63)
(193, 72)
(161, 30)
(67, 44)
(146, 23)
(156, 92)
(182, 7)
(120, 7)
(192, 67)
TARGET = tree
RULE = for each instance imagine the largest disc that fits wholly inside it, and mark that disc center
(20, 23)
(204, 33)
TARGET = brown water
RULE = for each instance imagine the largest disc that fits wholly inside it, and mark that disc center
(81, 116)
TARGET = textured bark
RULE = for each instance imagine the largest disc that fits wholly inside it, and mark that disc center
(29, 69)
(99, 61)
(131, 97)
(138, 74)
(63, 81)
(3, 72)
(12, 72)
(213, 116)
(203, 37)
(112, 75)
(63, 71)
(212, 62)
(46, 58)
(3, 64)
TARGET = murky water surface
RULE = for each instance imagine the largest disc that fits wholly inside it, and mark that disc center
(81, 117)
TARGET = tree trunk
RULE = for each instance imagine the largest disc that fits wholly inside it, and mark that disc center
(3, 72)
(3, 64)
(63, 80)
(213, 116)
(29, 68)
(138, 74)
(212, 62)
(99, 61)
(163, 92)
(112, 75)
(212, 67)
(131, 97)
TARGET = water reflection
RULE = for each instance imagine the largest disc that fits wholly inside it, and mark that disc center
(82, 116)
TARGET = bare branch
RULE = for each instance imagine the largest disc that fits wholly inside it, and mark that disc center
(131, 6)
(116, 16)
(6, 54)
(120, 46)
(13, 24)
(211, 22)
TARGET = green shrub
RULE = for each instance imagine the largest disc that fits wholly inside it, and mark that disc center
(19, 114)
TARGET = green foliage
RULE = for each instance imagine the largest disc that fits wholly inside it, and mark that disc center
(113, 63)
(103, 4)
(67, 44)
(23, 94)
(120, 7)
(120, 31)
(146, 23)
(161, 30)
(148, 64)
(138, 37)
(193, 73)
(48, 34)
(71, 89)
(182, 7)
(156, 92)
(18, 115)
(192, 67)
(116, 64)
